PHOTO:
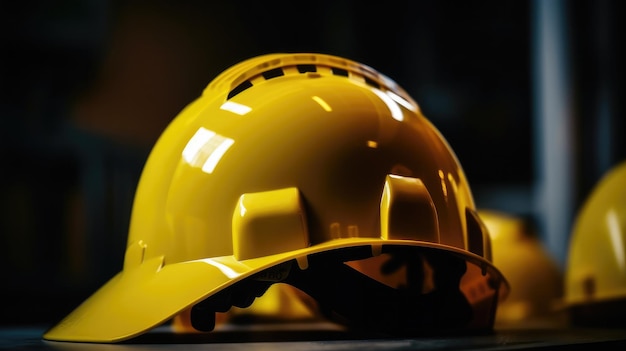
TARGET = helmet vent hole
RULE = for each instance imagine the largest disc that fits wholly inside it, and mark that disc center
(371, 82)
(339, 72)
(239, 88)
(306, 68)
(273, 73)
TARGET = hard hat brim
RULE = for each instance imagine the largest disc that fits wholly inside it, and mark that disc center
(139, 299)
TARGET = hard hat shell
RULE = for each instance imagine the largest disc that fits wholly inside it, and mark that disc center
(595, 277)
(535, 278)
(286, 162)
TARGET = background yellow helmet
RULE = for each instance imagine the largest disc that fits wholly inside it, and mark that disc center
(309, 170)
(535, 278)
(595, 279)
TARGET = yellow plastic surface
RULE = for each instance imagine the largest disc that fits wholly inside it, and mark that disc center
(268, 223)
(535, 278)
(283, 155)
(596, 266)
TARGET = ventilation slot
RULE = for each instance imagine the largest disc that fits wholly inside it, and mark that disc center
(306, 68)
(339, 72)
(273, 73)
(302, 68)
(239, 88)
(371, 83)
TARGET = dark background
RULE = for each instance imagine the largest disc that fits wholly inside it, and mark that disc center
(88, 85)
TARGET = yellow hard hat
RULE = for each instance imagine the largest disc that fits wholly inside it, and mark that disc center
(535, 278)
(310, 170)
(595, 279)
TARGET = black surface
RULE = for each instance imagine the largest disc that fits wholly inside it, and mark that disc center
(29, 338)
